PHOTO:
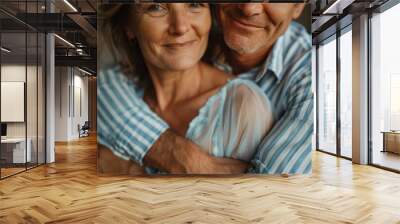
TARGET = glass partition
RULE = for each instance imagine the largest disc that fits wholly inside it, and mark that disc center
(32, 95)
(22, 67)
(14, 145)
(41, 96)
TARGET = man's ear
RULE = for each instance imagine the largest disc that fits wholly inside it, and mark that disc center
(298, 9)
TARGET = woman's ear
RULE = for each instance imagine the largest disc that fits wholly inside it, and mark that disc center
(298, 9)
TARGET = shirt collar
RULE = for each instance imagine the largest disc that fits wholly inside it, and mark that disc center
(274, 61)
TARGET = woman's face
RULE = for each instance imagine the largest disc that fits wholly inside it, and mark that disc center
(172, 36)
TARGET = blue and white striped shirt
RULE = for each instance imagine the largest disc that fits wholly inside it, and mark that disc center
(128, 127)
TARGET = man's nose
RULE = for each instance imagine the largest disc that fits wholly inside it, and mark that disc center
(250, 9)
(179, 23)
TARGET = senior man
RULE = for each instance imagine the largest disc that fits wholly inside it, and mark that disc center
(263, 45)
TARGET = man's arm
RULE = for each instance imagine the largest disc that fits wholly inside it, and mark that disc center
(287, 147)
(110, 164)
(178, 155)
(128, 127)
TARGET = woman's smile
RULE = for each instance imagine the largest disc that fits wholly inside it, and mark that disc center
(180, 44)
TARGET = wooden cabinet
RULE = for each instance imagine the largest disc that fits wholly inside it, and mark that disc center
(391, 142)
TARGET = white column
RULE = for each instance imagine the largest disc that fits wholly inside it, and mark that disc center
(50, 93)
(360, 90)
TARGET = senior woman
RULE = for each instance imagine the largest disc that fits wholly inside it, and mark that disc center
(164, 50)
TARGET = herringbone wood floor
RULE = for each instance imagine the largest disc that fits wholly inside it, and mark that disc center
(69, 191)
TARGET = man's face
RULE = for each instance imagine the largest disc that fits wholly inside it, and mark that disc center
(254, 27)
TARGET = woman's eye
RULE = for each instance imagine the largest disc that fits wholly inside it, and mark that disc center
(154, 8)
(195, 5)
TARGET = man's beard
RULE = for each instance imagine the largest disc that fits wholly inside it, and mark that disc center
(243, 45)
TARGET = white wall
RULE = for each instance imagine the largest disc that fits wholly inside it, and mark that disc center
(62, 81)
(71, 94)
(12, 73)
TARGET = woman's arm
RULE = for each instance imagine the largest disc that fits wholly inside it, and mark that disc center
(247, 119)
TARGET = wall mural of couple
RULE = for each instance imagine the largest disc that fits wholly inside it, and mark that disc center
(198, 88)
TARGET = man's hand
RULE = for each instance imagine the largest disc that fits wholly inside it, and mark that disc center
(110, 164)
(177, 155)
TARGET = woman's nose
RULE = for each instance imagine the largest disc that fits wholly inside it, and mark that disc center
(250, 9)
(179, 22)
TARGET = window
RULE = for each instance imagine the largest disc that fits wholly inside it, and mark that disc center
(314, 89)
(385, 88)
(346, 75)
(327, 97)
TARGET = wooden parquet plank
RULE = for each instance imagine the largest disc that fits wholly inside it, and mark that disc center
(70, 191)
